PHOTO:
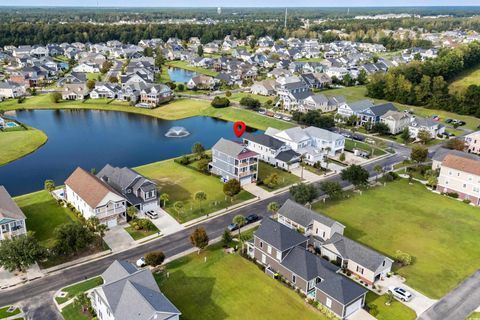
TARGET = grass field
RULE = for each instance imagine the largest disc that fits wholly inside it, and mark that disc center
(17, 144)
(75, 289)
(395, 311)
(228, 286)
(439, 232)
(73, 312)
(43, 215)
(140, 234)
(5, 314)
(350, 144)
(178, 109)
(359, 93)
(181, 183)
(474, 316)
(185, 65)
(284, 178)
(237, 96)
(464, 80)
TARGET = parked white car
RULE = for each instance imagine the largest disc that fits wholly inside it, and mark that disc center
(151, 214)
(400, 293)
(140, 262)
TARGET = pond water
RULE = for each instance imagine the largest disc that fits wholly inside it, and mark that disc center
(181, 75)
(91, 139)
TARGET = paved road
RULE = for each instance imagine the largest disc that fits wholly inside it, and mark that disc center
(458, 303)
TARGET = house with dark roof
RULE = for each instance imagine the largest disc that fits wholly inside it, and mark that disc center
(372, 115)
(129, 293)
(139, 191)
(354, 108)
(419, 124)
(12, 218)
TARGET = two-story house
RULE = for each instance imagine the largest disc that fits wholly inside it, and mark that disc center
(432, 127)
(94, 198)
(12, 219)
(460, 174)
(396, 121)
(139, 191)
(130, 293)
(233, 160)
(156, 94)
(472, 142)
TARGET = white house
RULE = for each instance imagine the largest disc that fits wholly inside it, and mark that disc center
(417, 125)
(87, 67)
(396, 121)
(12, 219)
(10, 89)
(94, 198)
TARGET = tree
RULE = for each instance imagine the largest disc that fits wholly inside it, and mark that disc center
(240, 221)
(403, 258)
(178, 206)
(202, 165)
(332, 189)
(164, 197)
(378, 169)
(91, 84)
(303, 193)
(405, 135)
(200, 51)
(200, 196)
(419, 154)
(355, 174)
(55, 97)
(271, 181)
(362, 77)
(252, 43)
(132, 212)
(82, 301)
(455, 144)
(19, 253)
(49, 185)
(154, 258)
(220, 102)
(199, 238)
(113, 79)
(250, 102)
(273, 207)
(342, 157)
(424, 136)
(198, 150)
(232, 187)
(71, 238)
(226, 238)
(381, 128)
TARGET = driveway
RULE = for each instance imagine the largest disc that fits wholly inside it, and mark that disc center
(118, 239)
(166, 223)
(257, 191)
(361, 314)
(419, 303)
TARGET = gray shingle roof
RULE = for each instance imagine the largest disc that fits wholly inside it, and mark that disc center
(441, 153)
(359, 106)
(308, 265)
(303, 216)
(341, 289)
(264, 140)
(228, 147)
(279, 236)
(288, 155)
(117, 270)
(381, 109)
(8, 208)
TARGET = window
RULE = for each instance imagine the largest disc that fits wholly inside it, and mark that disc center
(328, 303)
(269, 249)
(294, 278)
(261, 244)
(360, 270)
(383, 264)
(279, 255)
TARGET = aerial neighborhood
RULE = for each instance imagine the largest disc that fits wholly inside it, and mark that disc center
(239, 163)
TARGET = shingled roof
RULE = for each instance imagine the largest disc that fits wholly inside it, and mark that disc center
(8, 208)
(341, 289)
(279, 236)
(462, 164)
(308, 265)
(302, 215)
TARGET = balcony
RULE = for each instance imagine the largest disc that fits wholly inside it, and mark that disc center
(110, 212)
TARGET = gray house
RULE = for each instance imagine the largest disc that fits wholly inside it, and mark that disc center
(232, 160)
(12, 219)
(139, 191)
(129, 293)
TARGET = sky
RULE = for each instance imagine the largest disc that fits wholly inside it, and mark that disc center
(236, 3)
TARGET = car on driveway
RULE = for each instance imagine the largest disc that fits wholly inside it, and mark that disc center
(141, 262)
(400, 293)
(232, 227)
(151, 214)
(252, 218)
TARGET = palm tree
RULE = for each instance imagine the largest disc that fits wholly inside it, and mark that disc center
(273, 207)
(239, 220)
(378, 169)
(164, 198)
(200, 196)
(82, 301)
(178, 207)
(132, 212)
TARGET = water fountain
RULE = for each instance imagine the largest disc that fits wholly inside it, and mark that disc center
(177, 132)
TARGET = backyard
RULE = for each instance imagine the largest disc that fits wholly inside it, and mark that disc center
(229, 286)
(440, 233)
(395, 311)
(181, 183)
(284, 178)
(19, 143)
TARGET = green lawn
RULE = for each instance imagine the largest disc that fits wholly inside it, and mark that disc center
(181, 183)
(395, 311)
(43, 215)
(350, 144)
(17, 144)
(140, 234)
(178, 109)
(237, 96)
(474, 316)
(186, 65)
(359, 93)
(5, 314)
(465, 79)
(93, 76)
(228, 286)
(73, 312)
(439, 232)
(284, 178)
(80, 287)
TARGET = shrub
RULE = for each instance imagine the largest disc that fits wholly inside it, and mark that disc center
(373, 309)
(184, 160)
(250, 102)
(228, 94)
(154, 258)
(220, 102)
(403, 258)
(21, 100)
(466, 201)
(55, 97)
(452, 195)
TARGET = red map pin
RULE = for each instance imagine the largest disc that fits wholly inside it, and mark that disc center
(239, 128)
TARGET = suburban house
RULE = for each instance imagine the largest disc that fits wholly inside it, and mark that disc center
(94, 198)
(355, 108)
(373, 114)
(272, 151)
(284, 251)
(472, 142)
(12, 219)
(396, 121)
(312, 142)
(264, 88)
(75, 91)
(292, 91)
(417, 125)
(139, 191)
(322, 103)
(104, 90)
(201, 82)
(233, 160)
(130, 293)
(460, 174)
(156, 94)
(10, 89)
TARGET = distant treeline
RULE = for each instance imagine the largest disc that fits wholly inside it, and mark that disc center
(426, 83)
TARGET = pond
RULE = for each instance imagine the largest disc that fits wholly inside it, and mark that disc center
(91, 139)
(181, 75)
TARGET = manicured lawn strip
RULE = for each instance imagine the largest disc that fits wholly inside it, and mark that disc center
(19, 143)
(359, 93)
(80, 288)
(73, 312)
(474, 316)
(284, 178)
(5, 314)
(227, 286)
(186, 65)
(465, 79)
(140, 234)
(351, 144)
(395, 311)
(43, 214)
(178, 109)
(432, 228)
(181, 183)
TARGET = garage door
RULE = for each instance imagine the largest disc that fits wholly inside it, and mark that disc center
(111, 223)
(353, 307)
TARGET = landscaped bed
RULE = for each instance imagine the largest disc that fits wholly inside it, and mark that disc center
(80, 287)
(138, 234)
(439, 232)
(216, 285)
(4, 312)
(284, 178)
